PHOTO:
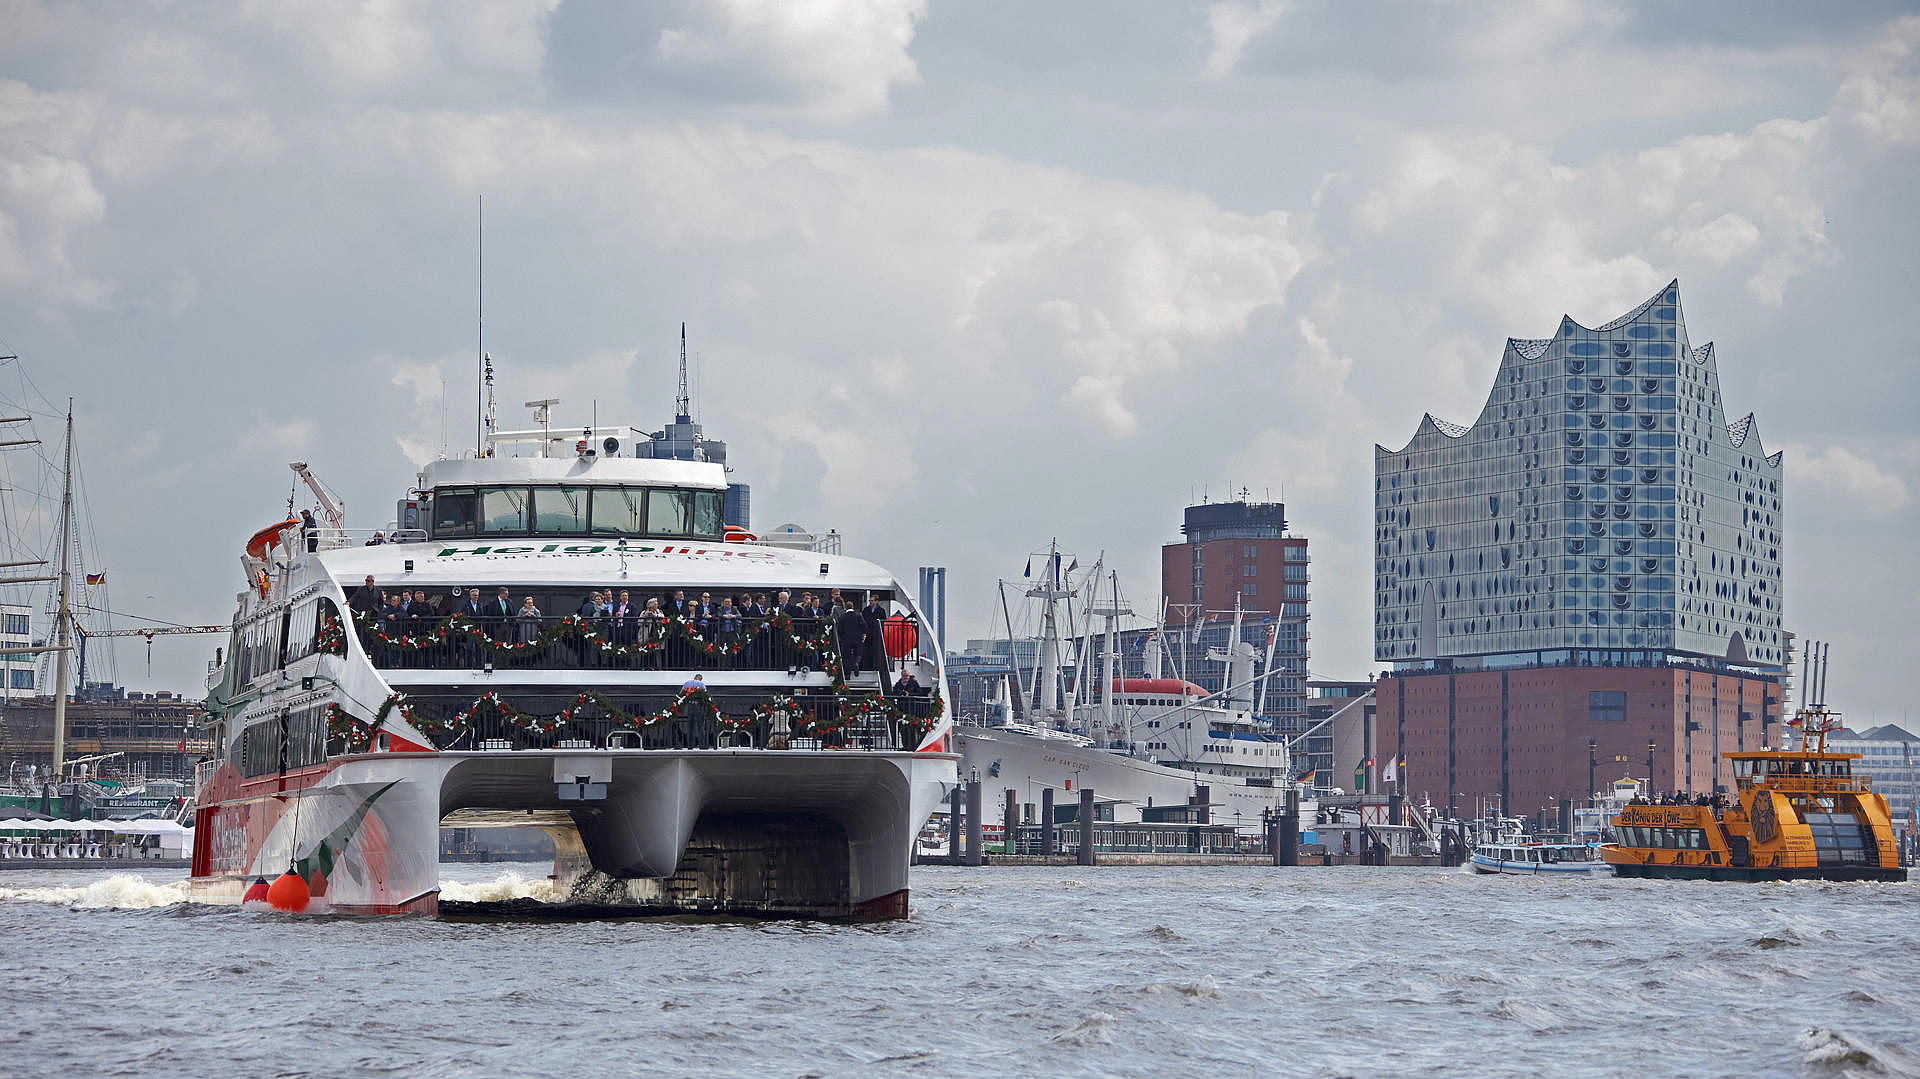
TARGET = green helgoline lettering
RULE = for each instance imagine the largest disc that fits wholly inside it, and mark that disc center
(451, 551)
(514, 550)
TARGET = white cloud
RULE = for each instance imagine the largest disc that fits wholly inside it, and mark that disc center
(1854, 476)
(1883, 98)
(841, 57)
(44, 200)
(1232, 26)
(367, 45)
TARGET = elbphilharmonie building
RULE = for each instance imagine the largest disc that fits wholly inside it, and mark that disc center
(1603, 512)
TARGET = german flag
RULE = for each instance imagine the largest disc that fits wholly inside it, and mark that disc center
(94, 580)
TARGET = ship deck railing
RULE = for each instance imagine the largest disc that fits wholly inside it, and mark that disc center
(567, 643)
(333, 539)
(655, 718)
(1858, 783)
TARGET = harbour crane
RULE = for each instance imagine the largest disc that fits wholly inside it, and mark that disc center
(332, 506)
(149, 633)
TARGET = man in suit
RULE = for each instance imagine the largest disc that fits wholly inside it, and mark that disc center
(850, 634)
(476, 611)
(874, 615)
(366, 598)
(623, 619)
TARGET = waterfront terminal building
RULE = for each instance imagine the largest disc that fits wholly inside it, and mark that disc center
(1589, 572)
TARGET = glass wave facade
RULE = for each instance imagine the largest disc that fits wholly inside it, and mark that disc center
(1600, 501)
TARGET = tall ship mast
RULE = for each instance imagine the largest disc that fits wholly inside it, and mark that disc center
(1144, 744)
(573, 641)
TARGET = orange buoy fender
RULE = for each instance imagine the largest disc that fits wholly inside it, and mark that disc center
(256, 892)
(288, 892)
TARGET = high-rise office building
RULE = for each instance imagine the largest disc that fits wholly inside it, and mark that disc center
(1591, 568)
(1239, 555)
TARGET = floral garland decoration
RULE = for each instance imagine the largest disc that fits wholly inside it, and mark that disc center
(359, 735)
(462, 626)
(332, 638)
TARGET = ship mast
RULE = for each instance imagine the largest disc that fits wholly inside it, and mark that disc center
(683, 403)
(61, 615)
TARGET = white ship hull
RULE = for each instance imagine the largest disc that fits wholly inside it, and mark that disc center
(1007, 759)
(793, 833)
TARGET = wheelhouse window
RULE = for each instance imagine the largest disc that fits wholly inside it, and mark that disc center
(503, 510)
(619, 511)
(455, 512)
(706, 513)
(560, 510)
(669, 513)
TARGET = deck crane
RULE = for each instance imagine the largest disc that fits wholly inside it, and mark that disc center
(332, 506)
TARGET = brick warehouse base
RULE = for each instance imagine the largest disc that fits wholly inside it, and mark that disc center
(1520, 736)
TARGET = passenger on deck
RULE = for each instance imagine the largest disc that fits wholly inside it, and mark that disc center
(366, 599)
(422, 612)
(473, 608)
(726, 621)
(378, 539)
(874, 614)
(528, 620)
(909, 686)
(624, 616)
(850, 636)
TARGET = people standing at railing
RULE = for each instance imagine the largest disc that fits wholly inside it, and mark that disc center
(500, 611)
(528, 620)
(378, 539)
(473, 607)
(703, 615)
(727, 622)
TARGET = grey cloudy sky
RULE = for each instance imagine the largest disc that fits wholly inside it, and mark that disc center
(961, 276)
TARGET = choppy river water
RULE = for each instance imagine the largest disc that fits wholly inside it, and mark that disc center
(1094, 972)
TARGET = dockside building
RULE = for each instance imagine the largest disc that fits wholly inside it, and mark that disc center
(1590, 571)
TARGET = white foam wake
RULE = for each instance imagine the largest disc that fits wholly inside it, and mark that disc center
(508, 885)
(121, 890)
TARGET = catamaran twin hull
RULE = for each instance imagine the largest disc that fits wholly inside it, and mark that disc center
(1006, 759)
(751, 832)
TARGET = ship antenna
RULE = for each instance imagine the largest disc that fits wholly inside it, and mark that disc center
(682, 407)
(479, 387)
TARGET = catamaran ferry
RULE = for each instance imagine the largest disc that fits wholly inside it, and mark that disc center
(684, 755)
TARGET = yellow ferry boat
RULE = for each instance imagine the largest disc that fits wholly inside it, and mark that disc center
(1796, 815)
